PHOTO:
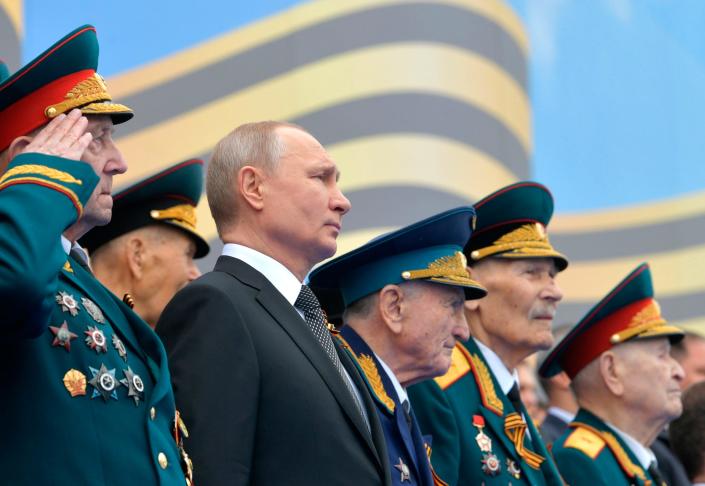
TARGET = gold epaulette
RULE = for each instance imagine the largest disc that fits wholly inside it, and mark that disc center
(67, 267)
(483, 377)
(618, 451)
(459, 367)
(369, 368)
(586, 441)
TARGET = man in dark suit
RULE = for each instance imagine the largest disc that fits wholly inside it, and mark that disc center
(269, 398)
(403, 296)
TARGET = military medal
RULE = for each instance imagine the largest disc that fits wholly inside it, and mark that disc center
(490, 464)
(134, 384)
(93, 310)
(95, 339)
(403, 470)
(513, 469)
(104, 383)
(62, 336)
(67, 303)
(120, 347)
(482, 439)
(75, 382)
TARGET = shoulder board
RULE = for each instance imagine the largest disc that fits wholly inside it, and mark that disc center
(371, 374)
(488, 393)
(459, 367)
(586, 441)
(618, 451)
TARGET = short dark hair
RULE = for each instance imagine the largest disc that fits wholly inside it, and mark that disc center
(687, 432)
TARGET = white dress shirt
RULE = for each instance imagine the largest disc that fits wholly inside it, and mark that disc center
(642, 453)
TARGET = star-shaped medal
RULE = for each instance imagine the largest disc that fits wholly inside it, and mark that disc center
(134, 384)
(67, 302)
(513, 469)
(120, 347)
(490, 464)
(403, 470)
(62, 336)
(95, 339)
(93, 310)
(104, 383)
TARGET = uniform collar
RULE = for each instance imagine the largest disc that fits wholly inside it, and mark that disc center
(505, 378)
(562, 414)
(642, 453)
(278, 275)
(66, 244)
(401, 391)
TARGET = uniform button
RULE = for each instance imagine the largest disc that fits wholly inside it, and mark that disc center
(162, 460)
(152, 413)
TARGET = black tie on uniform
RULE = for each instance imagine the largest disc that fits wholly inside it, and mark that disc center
(656, 474)
(79, 255)
(313, 315)
(407, 407)
(513, 395)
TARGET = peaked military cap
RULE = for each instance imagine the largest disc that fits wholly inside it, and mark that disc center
(58, 80)
(628, 312)
(429, 250)
(169, 197)
(511, 223)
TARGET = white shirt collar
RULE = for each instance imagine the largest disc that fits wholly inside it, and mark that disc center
(279, 276)
(401, 392)
(642, 453)
(505, 377)
(66, 244)
(562, 414)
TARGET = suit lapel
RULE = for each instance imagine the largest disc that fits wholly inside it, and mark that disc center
(274, 303)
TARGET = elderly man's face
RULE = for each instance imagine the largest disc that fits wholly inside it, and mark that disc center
(305, 207)
(521, 301)
(434, 320)
(651, 378)
(105, 158)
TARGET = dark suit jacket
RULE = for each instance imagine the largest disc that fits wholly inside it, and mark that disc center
(262, 401)
(670, 467)
(552, 428)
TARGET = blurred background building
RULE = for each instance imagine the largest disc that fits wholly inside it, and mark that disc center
(426, 105)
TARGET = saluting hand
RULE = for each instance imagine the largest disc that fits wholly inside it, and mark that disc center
(65, 136)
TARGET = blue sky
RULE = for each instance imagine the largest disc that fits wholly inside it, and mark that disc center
(617, 86)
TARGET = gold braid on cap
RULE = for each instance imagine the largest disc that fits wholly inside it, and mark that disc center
(183, 215)
(645, 319)
(88, 91)
(529, 239)
(453, 267)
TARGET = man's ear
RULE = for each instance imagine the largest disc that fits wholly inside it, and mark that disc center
(391, 303)
(16, 147)
(250, 187)
(611, 373)
(135, 256)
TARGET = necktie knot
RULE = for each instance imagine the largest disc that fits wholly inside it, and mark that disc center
(307, 301)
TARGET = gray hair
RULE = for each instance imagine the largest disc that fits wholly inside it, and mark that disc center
(255, 144)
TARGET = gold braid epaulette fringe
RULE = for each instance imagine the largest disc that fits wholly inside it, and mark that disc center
(619, 453)
(487, 390)
(515, 428)
(370, 369)
(49, 172)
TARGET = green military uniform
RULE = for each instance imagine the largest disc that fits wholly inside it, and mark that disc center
(591, 452)
(479, 436)
(86, 394)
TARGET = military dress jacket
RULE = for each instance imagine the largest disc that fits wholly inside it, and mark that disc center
(478, 436)
(406, 447)
(590, 453)
(85, 392)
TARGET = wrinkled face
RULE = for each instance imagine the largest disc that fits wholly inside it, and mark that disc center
(434, 320)
(693, 362)
(105, 158)
(521, 301)
(651, 378)
(303, 204)
(168, 267)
